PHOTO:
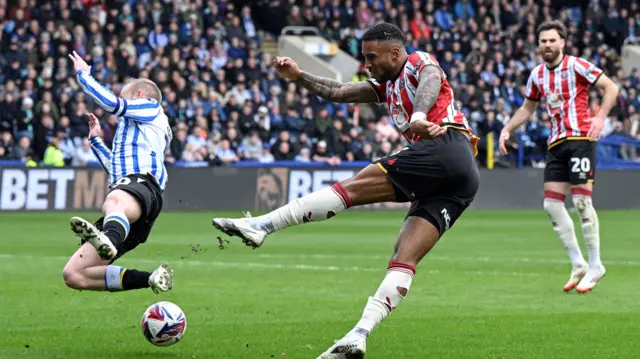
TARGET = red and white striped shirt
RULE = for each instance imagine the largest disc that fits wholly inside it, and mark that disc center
(566, 90)
(400, 95)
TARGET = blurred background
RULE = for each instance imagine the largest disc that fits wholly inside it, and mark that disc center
(227, 106)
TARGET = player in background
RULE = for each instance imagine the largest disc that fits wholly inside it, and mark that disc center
(137, 178)
(437, 172)
(571, 157)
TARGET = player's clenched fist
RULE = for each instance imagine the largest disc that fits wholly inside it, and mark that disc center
(287, 68)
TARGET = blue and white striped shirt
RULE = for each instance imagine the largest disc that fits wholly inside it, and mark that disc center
(142, 136)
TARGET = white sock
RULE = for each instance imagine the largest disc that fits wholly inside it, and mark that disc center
(387, 298)
(113, 278)
(563, 226)
(317, 206)
(590, 225)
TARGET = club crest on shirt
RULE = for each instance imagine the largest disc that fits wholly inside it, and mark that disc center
(555, 99)
(397, 114)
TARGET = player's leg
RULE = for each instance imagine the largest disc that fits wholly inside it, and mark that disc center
(130, 211)
(582, 177)
(120, 209)
(85, 270)
(419, 234)
(556, 186)
(369, 186)
(444, 176)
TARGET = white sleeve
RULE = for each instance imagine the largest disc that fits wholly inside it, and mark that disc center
(142, 110)
(102, 153)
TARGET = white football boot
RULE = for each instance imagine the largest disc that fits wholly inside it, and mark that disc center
(577, 273)
(352, 346)
(88, 232)
(251, 235)
(161, 280)
(590, 279)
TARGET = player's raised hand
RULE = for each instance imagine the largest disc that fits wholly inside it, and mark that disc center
(597, 124)
(504, 137)
(95, 130)
(78, 63)
(287, 68)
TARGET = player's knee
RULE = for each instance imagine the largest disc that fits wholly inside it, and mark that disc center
(551, 205)
(582, 200)
(111, 204)
(120, 201)
(74, 278)
(553, 202)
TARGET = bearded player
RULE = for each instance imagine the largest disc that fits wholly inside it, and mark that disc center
(437, 172)
(571, 157)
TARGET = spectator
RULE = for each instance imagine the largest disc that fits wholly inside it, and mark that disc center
(53, 155)
(226, 153)
(83, 155)
(6, 145)
(217, 82)
(266, 156)
(283, 152)
(252, 147)
(304, 155)
(322, 154)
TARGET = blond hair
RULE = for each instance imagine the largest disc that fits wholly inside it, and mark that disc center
(148, 87)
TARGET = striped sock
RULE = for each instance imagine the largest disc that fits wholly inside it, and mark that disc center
(116, 226)
(118, 279)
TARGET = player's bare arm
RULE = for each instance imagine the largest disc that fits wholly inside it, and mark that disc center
(427, 94)
(521, 116)
(326, 88)
(335, 91)
(609, 99)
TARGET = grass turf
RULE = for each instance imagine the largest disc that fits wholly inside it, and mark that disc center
(491, 289)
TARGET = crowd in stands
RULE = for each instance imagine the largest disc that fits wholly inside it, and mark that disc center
(227, 104)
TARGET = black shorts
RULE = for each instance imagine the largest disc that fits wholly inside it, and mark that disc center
(571, 161)
(146, 190)
(440, 177)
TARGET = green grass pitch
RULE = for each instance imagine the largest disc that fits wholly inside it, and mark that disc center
(492, 288)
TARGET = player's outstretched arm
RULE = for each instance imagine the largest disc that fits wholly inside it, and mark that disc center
(326, 88)
(427, 94)
(98, 147)
(521, 116)
(142, 109)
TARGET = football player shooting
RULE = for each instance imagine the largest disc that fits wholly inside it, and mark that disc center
(437, 172)
(571, 157)
(137, 178)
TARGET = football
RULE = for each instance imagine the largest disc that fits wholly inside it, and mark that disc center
(163, 324)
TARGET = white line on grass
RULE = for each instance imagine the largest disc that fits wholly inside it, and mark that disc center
(440, 258)
(253, 265)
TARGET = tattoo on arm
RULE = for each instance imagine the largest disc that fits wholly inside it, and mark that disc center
(428, 89)
(332, 90)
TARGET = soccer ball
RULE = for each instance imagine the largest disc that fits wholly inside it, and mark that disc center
(163, 324)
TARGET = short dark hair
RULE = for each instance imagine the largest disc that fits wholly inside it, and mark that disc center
(384, 31)
(553, 25)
